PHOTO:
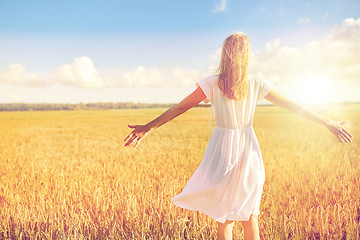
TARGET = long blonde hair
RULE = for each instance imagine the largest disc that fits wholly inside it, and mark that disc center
(234, 66)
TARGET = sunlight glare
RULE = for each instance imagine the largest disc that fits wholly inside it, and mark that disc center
(316, 90)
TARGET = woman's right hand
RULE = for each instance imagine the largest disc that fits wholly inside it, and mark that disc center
(339, 131)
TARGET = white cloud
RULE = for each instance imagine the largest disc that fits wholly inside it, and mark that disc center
(326, 15)
(140, 77)
(220, 6)
(215, 56)
(162, 77)
(214, 59)
(16, 74)
(334, 56)
(186, 77)
(304, 20)
(80, 73)
(347, 30)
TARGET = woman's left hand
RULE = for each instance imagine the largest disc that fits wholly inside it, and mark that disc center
(138, 134)
(336, 128)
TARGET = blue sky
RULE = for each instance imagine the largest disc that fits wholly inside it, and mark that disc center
(154, 51)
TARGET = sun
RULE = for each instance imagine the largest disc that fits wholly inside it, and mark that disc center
(316, 90)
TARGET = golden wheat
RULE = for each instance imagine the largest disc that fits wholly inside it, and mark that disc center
(67, 175)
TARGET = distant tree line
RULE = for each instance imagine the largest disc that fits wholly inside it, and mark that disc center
(82, 106)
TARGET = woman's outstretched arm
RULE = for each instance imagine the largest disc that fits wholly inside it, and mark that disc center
(334, 127)
(141, 131)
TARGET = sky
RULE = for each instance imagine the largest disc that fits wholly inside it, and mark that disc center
(155, 51)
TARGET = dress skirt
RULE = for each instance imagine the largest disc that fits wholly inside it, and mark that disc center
(228, 183)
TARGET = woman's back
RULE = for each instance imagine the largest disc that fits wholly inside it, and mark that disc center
(230, 113)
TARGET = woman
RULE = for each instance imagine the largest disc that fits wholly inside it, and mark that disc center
(228, 184)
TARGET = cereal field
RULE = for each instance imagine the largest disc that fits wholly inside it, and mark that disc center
(67, 175)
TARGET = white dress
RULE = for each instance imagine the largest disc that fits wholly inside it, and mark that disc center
(228, 183)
